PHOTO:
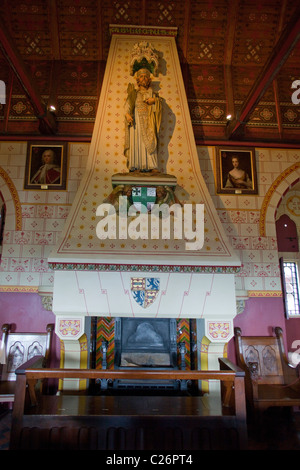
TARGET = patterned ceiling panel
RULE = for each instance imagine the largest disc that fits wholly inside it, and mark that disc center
(256, 31)
(208, 24)
(78, 77)
(169, 14)
(206, 82)
(78, 29)
(166, 13)
(223, 46)
(41, 71)
(243, 79)
(29, 27)
(294, 58)
(118, 12)
(284, 81)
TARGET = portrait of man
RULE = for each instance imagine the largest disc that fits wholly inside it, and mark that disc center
(45, 166)
(49, 172)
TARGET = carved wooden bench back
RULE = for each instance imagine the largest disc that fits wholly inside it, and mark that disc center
(18, 348)
(261, 355)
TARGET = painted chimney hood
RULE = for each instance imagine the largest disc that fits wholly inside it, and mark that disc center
(94, 277)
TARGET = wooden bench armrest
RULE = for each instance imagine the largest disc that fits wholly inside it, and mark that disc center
(226, 364)
(233, 395)
(36, 362)
(249, 382)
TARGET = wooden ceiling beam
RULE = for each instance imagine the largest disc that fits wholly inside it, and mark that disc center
(185, 70)
(143, 12)
(233, 8)
(54, 30)
(229, 43)
(186, 29)
(277, 106)
(275, 82)
(283, 48)
(8, 100)
(47, 124)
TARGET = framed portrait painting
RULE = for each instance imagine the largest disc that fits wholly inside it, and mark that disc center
(46, 166)
(236, 170)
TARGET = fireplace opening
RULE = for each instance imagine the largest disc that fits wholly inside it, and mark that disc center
(145, 343)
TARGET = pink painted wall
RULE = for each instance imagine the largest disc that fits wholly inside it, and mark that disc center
(258, 319)
(25, 313)
(293, 332)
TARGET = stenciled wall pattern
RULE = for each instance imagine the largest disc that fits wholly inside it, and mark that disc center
(249, 221)
(34, 219)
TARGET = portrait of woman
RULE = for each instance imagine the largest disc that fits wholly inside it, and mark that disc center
(236, 171)
(237, 177)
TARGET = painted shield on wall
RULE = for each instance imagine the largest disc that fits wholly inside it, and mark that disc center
(145, 290)
(143, 198)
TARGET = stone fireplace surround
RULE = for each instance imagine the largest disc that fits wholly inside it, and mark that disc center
(94, 278)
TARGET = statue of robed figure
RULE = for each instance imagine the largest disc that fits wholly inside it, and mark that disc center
(143, 114)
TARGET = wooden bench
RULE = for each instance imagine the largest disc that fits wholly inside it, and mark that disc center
(17, 348)
(270, 381)
(124, 422)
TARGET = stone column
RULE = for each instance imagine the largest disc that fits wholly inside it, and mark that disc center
(211, 346)
(74, 349)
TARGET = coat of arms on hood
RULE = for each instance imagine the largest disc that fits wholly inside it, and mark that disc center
(145, 290)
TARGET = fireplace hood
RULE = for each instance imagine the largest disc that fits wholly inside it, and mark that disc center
(101, 277)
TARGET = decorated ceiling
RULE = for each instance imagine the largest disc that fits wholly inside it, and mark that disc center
(238, 58)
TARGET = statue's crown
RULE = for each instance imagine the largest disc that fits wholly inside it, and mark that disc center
(143, 56)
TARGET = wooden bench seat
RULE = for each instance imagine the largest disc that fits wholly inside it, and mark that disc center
(18, 348)
(7, 391)
(286, 396)
(119, 422)
(270, 381)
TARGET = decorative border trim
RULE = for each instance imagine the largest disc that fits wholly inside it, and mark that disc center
(88, 267)
(268, 196)
(143, 30)
(142, 267)
(15, 197)
(264, 293)
(23, 289)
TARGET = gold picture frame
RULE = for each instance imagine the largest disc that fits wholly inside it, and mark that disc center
(46, 166)
(236, 170)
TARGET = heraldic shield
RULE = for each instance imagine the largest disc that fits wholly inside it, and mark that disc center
(144, 290)
(143, 197)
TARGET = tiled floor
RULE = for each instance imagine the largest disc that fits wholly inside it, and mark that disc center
(280, 431)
